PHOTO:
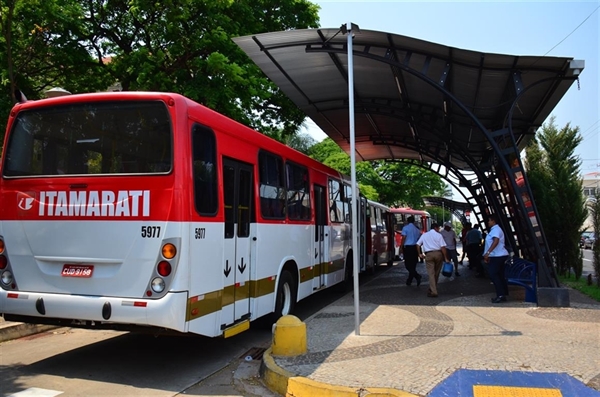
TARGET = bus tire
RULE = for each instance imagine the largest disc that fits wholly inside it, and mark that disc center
(285, 298)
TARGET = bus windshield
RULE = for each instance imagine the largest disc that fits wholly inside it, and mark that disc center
(90, 138)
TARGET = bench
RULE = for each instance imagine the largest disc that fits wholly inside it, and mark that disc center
(523, 273)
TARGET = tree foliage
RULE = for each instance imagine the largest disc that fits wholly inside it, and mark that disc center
(301, 142)
(41, 48)
(396, 184)
(553, 172)
(181, 46)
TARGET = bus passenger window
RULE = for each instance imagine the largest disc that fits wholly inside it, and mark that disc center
(205, 175)
(272, 187)
(298, 200)
(336, 203)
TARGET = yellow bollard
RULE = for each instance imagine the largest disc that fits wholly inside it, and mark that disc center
(289, 337)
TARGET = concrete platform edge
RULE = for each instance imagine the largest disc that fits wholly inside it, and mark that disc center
(19, 330)
(285, 383)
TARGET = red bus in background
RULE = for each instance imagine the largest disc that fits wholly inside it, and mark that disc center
(422, 221)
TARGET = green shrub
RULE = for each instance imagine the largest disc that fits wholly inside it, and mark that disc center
(581, 285)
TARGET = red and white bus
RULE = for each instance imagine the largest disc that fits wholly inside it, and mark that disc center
(422, 221)
(148, 211)
(379, 232)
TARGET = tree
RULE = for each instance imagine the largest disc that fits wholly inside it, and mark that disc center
(553, 172)
(181, 46)
(595, 210)
(42, 48)
(397, 184)
(185, 46)
(301, 142)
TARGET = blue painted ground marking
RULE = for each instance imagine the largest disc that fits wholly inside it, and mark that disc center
(460, 383)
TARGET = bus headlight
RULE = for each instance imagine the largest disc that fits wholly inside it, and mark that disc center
(7, 278)
(158, 285)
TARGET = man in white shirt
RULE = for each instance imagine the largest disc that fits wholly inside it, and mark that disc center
(432, 248)
(449, 236)
(496, 256)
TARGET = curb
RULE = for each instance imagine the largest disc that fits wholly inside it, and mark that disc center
(285, 383)
(276, 378)
(18, 330)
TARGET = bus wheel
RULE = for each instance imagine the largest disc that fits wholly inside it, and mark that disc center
(348, 284)
(285, 300)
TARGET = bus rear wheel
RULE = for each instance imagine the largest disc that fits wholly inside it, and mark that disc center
(347, 284)
(285, 300)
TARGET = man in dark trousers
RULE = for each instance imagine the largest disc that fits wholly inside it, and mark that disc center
(474, 250)
(410, 235)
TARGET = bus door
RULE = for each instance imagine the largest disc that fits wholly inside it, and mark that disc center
(320, 237)
(237, 188)
(364, 233)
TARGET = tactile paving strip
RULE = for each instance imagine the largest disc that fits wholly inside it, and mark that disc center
(503, 391)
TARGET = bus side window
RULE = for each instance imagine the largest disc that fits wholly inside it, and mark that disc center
(336, 205)
(204, 170)
(298, 201)
(271, 186)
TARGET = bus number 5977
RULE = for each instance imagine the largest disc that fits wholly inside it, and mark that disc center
(150, 231)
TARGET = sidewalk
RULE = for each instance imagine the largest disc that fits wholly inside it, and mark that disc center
(459, 344)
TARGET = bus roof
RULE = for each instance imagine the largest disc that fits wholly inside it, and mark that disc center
(409, 211)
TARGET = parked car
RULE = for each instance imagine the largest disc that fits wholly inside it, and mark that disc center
(584, 235)
(588, 243)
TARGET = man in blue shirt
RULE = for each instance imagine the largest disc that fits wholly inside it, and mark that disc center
(410, 235)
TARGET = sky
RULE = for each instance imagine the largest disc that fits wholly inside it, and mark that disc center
(536, 28)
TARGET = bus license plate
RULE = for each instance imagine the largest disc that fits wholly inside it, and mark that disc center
(77, 271)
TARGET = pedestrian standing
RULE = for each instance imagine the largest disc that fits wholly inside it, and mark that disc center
(449, 236)
(432, 247)
(496, 256)
(474, 239)
(408, 247)
(463, 240)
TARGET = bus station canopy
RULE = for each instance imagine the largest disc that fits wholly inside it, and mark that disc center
(413, 99)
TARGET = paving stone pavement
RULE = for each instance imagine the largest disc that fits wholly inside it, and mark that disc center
(411, 342)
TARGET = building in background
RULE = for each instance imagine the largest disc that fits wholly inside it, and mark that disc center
(591, 189)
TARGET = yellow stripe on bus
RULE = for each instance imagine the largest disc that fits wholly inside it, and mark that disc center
(211, 302)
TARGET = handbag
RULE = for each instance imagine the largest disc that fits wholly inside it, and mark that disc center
(447, 269)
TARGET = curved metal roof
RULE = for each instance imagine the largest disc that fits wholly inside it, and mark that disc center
(413, 99)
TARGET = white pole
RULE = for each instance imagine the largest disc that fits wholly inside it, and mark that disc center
(355, 196)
